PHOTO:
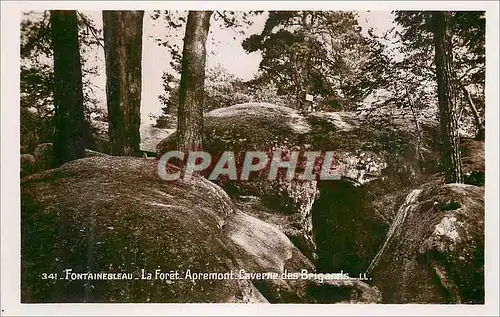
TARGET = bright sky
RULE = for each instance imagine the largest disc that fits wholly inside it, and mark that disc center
(223, 48)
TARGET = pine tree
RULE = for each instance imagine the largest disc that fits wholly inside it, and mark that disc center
(70, 127)
(190, 111)
(123, 53)
(447, 98)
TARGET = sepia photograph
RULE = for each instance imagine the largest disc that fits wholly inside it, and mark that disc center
(204, 153)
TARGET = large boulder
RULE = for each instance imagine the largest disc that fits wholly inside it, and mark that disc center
(27, 164)
(150, 136)
(43, 157)
(115, 215)
(377, 155)
(262, 247)
(473, 161)
(344, 224)
(434, 250)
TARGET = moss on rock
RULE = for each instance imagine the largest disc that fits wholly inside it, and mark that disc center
(436, 254)
(115, 215)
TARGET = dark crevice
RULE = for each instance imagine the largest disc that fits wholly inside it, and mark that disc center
(347, 231)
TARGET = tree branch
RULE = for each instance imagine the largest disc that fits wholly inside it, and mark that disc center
(470, 102)
(91, 28)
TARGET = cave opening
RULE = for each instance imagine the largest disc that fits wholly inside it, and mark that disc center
(346, 228)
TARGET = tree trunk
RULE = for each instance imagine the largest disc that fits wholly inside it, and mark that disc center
(447, 98)
(123, 53)
(71, 129)
(190, 112)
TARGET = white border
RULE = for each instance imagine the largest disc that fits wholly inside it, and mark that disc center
(10, 195)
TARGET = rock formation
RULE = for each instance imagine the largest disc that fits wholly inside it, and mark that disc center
(390, 217)
(114, 214)
(434, 251)
(367, 150)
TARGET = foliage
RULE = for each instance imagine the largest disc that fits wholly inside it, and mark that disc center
(416, 69)
(36, 80)
(222, 89)
(321, 53)
(175, 22)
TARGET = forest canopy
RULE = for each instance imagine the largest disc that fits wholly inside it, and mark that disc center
(337, 58)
